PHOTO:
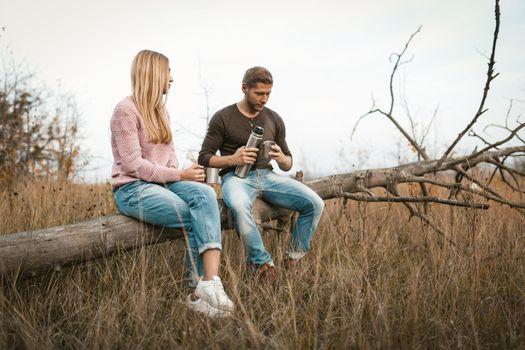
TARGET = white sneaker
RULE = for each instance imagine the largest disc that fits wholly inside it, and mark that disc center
(213, 293)
(203, 307)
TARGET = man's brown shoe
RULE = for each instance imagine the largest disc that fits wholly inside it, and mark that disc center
(266, 273)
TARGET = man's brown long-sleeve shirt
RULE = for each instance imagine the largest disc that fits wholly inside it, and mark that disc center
(229, 130)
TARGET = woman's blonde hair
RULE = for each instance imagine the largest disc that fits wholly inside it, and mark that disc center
(150, 79)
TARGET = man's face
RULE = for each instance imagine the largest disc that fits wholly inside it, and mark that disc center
(257, 96)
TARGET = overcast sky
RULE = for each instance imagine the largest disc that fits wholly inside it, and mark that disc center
(328, 59)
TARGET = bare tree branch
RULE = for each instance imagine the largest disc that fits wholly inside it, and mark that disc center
(389, 115)
(506, 126)
(494, 145)
(424, 199)
(472, 133)
(490, 76)
(425, 219)
(504, 179)
(426, 130)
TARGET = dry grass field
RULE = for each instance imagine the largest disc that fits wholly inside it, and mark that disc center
(373, 279)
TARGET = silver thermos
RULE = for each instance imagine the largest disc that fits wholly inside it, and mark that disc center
(254, 140)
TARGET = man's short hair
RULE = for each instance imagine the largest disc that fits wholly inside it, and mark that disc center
(256, 75)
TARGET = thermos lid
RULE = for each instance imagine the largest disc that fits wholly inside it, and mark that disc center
(258, 130)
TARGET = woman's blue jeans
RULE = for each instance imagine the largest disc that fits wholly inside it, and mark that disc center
(240, 194)
(186, 205)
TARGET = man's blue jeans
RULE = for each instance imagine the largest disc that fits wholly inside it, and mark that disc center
(186, 205)
(240, 194)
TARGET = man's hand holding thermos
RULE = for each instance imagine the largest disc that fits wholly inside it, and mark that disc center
(245, 155)
(249, 153)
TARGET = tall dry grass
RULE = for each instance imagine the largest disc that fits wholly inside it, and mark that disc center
(373, 279)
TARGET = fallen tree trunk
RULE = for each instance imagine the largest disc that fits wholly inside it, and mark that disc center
(34, 252)
(30, 253)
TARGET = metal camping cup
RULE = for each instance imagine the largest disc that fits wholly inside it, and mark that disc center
(266, 148)
(212, 179)
(212, 175)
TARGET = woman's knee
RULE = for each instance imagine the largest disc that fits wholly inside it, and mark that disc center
(209, 192)
(202, 192)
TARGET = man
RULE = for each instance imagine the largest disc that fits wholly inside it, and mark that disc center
(228, 132)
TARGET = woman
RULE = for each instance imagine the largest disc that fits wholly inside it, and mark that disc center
(149, 185)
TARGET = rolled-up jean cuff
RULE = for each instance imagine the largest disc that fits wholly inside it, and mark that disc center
(208, 246)
(192, 284)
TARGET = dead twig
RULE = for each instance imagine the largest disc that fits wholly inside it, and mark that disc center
(490, 76)
(424, 199)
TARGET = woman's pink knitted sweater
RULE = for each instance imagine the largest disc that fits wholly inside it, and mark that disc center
(135, 158)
